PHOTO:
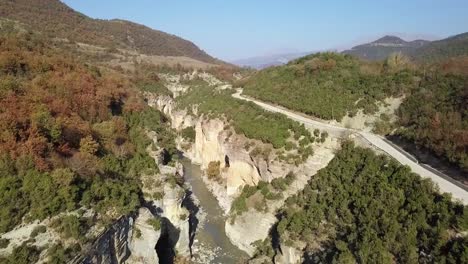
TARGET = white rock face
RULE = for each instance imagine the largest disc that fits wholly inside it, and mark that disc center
(248, 228)
(239, 174)
(253, 225)
(207, 145)
(289, 255)
(366, 122)
(178, 216)
(22, 233)
(211, 144)
(143, 249)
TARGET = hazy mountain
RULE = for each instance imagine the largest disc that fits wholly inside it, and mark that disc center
(381, 48)
(262, 62)
(58, 20)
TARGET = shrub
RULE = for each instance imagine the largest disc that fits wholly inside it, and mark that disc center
(70, 226)
(158, 196)
(4, 242)
(239, 205)
(38, 230)
(188, 133)
(183, 217)
(24, 254)
(137, 232)
(316, 132)
(279, 184)
(155, 223)
(57, 254)
(213, 170)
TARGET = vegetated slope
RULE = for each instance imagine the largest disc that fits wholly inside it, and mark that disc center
(383, 47)
(442, 49)
(58, 20)
(72, 136)
(328, 85)
(433, 114)
(364, 208)
(251, 120)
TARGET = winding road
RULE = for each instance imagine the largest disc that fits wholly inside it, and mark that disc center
(444, 182)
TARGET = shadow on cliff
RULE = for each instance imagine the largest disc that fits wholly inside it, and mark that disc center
(193, 220)
(166, 243)
(168, 239)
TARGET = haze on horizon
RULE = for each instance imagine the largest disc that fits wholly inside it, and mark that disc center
(243, 29)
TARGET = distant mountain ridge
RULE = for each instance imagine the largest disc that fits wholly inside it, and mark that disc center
(54, 18)
(383, 47)
(419, 50)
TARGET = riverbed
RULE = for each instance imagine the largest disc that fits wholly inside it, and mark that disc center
(211, 245)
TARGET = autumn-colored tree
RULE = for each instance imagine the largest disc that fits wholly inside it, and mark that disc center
(88, 145)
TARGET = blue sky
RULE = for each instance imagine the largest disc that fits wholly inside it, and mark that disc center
(247, 28)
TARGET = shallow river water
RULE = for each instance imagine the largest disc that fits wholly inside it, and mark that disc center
(211, 245)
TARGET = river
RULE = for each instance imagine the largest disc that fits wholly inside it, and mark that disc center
(211, 245)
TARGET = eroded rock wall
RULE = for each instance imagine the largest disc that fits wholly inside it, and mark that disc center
(143, 240)
(112, 245)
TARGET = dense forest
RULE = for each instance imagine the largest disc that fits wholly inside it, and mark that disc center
(440, 124)
(72, 136)
(330, 85)
(365, 208)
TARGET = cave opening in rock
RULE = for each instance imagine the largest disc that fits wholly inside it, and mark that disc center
(226, 161)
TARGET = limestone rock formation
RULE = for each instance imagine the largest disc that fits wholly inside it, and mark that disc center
(248, 228)
(178, 217)
(112, 245)
(143, 242)
(288, 255)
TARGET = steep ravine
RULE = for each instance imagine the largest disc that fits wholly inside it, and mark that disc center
(134, 239)
(211, 245)
(215, 142)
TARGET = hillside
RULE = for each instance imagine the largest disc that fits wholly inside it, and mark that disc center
(333, 86)
(442, 49)
(327, 85)
(419, 50)
(383, 47)
(364, 208)
(72, 137)
(59, 21)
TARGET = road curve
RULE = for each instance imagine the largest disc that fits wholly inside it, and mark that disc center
(445, 183)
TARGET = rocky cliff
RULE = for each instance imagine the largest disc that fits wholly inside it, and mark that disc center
(133, 239)
(241, 231)
(214, 141)
(142, 247)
